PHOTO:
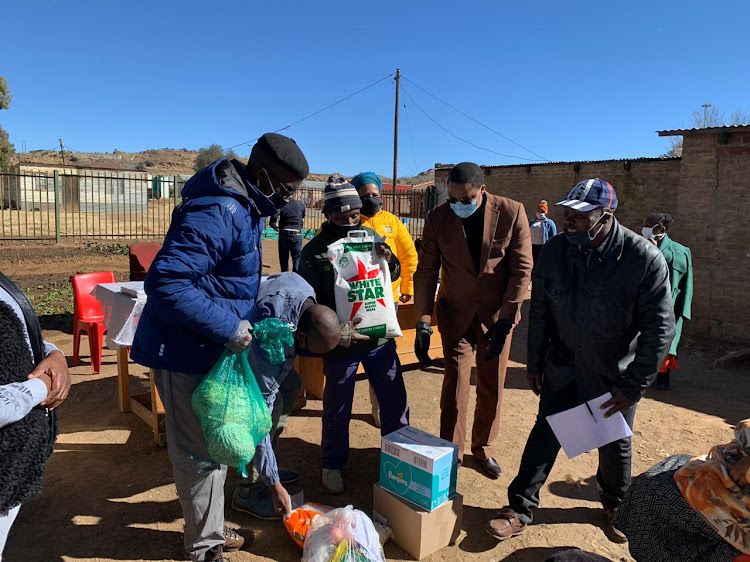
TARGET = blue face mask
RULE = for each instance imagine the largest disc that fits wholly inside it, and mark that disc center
(464, 210)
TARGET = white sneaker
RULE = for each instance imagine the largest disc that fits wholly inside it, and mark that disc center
(332, 481)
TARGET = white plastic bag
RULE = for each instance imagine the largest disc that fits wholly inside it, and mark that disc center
(342, 535)
(363, 286)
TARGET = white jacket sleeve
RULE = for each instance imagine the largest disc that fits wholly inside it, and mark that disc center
(18, 398)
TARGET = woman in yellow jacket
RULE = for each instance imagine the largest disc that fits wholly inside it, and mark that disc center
(397, 237)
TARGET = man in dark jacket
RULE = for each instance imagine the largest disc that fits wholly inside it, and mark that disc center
(601, 320)
(201, 292)
(378, 356)
(289, 222)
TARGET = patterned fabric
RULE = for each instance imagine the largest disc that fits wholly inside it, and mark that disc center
(709, 488)
(661, 526)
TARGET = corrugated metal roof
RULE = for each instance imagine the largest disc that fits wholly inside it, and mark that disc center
(639, 159)
(706, 130)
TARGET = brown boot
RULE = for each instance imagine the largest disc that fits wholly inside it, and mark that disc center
(233, 541)
(506, 525)
(613, 533)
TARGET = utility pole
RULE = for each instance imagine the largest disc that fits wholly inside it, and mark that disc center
(705, 107)
(62, 151)
(395, 143)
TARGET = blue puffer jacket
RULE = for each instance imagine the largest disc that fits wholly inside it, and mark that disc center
(205, 278)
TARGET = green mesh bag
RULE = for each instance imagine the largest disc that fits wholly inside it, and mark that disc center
(232, 412)
(272, 335)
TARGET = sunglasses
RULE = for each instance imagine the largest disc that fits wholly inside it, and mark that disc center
(285, 190)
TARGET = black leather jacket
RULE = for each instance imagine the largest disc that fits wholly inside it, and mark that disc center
(603, 318)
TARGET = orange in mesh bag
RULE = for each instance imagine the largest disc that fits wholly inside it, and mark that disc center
(299, 522)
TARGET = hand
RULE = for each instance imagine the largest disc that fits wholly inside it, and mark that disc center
(356, 336)
(383, 251)
(740, 472)
(535, 382)
(242, 338)
(282, 501)
(55, 367)
(495, 338)
(404, 298)
(618, 403)
(422, 343)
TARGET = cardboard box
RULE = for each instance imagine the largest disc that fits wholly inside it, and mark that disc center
(418, 531)
(418, 467)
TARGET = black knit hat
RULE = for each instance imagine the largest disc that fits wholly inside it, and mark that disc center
(340, 196)
(285, 152)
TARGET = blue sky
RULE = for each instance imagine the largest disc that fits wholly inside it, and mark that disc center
(572, 80)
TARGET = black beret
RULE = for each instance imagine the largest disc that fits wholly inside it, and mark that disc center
(285, 152)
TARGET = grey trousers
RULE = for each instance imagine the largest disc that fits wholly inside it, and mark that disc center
(6, 521)
(199, 480)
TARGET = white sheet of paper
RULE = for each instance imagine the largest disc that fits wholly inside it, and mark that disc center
(579, 432)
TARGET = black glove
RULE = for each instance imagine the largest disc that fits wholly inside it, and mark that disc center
(495, 338)
(422, 343)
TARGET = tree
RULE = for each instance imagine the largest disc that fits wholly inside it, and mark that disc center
(706, 117)
(5, 97)
(6, 148)
(739, 117)
(210, 154)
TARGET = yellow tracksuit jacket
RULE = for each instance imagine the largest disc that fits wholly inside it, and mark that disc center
(401, 244)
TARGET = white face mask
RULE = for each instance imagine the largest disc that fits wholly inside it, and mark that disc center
(648, 233)
(541, 216)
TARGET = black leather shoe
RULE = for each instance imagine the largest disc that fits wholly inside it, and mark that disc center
(491, 468)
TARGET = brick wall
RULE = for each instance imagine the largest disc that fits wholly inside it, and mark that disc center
(708, 194)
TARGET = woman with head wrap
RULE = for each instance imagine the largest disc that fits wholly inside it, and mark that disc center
(685, 510)
(397, 237)
(542, 229)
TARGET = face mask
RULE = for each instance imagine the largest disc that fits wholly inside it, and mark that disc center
(277, 200)
(584, 238)
(541, 216)
(342, 230)
(371, 205)
(464, 210)
(649, 234)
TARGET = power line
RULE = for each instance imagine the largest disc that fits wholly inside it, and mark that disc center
(459, 138)
(411, 138)
(475, 120)
(320, 110)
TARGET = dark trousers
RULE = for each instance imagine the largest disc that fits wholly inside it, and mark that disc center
(290, 243)
(383, 369)
(541, 451)
(536, 249)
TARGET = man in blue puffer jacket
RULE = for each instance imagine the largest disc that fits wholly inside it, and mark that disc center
(201, 292)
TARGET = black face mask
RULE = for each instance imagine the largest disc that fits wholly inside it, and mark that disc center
(342, 230)
(371, 205)
(277, 200)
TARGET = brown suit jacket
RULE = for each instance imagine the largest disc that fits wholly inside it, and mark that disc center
(497, 290)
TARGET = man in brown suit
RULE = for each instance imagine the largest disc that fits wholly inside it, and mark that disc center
(483, 245)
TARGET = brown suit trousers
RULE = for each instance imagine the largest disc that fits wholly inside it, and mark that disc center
(470, 302)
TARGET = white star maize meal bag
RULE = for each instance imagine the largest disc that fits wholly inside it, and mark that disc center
(363, 286)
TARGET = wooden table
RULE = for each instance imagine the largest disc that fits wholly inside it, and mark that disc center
(310, 369)
(121, 315)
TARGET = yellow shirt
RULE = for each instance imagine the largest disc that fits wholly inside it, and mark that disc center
(401, 244)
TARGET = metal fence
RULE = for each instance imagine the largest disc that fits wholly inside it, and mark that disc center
(65, 207)
(85, 206)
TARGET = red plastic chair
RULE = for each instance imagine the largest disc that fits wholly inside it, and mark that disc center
(88, 315)
(141, 255)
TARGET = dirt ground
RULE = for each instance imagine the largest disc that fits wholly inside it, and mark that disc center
(109, 493)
